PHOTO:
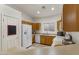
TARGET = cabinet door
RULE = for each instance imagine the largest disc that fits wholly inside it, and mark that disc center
(36, 26)
(33, 26)
(33, 38)
(69, 17)
(42, 40)
(49, 40)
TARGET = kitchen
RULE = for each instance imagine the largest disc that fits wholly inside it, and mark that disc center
(44, 20)
(35, 24)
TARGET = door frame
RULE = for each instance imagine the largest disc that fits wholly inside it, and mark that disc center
(0, 32)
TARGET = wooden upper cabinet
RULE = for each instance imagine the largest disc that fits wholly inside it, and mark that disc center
(36, 26)
(26, 22)
(70, 18)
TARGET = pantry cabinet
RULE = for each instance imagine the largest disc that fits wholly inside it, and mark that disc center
(71, 17)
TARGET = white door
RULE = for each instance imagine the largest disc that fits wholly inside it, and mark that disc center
(10, 41)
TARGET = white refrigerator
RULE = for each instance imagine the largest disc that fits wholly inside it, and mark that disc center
(26, 35)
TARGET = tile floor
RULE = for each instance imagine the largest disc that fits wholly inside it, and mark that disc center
(35, 49)
(38, 49)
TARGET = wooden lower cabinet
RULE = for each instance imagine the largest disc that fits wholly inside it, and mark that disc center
(33, 38)
(47, 40)
(42, 39)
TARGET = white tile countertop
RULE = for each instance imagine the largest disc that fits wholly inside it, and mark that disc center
(46, 34)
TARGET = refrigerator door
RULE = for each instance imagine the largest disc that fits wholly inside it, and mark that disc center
(24, 35)
(27, 35)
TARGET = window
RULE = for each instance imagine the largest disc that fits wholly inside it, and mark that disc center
(49, 27)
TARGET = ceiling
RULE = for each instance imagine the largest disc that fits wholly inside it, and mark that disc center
(31, 9)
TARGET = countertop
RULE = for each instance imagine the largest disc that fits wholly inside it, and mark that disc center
(45, 34)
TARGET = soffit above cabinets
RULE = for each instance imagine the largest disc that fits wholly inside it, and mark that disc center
(39, 10)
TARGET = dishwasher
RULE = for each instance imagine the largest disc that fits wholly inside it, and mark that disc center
(37, 38)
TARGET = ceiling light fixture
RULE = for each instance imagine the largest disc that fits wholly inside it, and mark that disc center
(38, 12)
(52, 9)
